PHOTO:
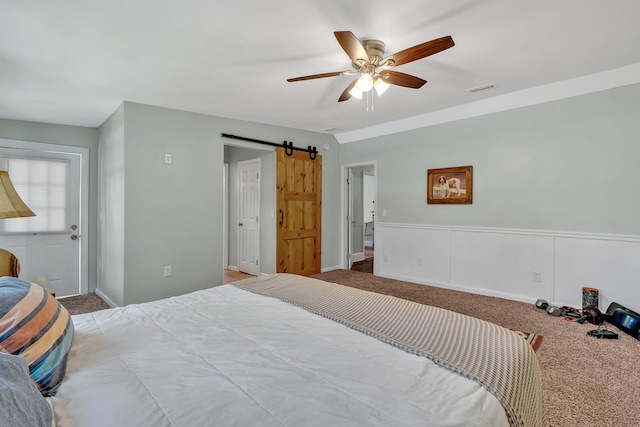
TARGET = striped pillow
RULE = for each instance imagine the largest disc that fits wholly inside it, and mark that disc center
(34, 325)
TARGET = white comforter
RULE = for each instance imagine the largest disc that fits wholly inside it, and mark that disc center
(227, 357)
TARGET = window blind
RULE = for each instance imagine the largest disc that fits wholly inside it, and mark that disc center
(43, 185)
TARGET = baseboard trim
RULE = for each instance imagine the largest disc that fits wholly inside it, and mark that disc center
(335, 267)
(106, 298)
(477, 291)
(357, 257)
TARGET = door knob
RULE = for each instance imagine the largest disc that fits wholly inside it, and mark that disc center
(74, 237)
(240, 224)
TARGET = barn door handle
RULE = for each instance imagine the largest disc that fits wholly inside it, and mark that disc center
(281, 217)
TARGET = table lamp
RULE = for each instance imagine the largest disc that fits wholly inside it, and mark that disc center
(11, 206)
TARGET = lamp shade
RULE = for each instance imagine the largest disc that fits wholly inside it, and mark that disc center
(11, 205)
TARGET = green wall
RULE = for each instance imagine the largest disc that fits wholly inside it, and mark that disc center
(568, 165)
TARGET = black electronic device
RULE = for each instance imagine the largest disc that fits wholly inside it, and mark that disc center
(603, 334)
(591, 315)
(624, 318)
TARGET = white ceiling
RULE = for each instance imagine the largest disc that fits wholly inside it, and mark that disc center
(74, 61)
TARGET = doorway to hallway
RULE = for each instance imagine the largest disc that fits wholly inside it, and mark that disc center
(359, 208)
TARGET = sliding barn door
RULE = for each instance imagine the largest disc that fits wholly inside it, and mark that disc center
(299, 213)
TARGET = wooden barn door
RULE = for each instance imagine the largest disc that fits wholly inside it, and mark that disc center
(299, 213)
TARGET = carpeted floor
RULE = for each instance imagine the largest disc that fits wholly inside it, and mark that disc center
(586, 381)
(80, 304)
(364, 266)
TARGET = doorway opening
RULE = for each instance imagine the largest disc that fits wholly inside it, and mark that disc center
(359, 213)
(248, 209)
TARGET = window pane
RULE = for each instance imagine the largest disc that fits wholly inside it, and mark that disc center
(42, 184)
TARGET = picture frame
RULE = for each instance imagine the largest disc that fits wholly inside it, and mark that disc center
(450, 185)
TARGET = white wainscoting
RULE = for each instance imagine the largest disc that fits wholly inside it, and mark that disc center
(503, 262)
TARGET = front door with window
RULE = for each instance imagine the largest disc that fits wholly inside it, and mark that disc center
(48, 244)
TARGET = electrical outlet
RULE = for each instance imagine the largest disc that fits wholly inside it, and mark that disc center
(167, 270)
(167, 158)
(536, 276)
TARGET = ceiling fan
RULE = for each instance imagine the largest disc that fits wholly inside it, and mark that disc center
(373, 69)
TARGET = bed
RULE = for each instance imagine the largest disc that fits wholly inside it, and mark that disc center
(284, 350)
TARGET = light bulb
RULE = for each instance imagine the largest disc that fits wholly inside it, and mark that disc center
(355, 92)
(380, 86)
(365, 83)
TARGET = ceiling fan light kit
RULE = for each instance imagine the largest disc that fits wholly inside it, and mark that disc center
(365, 83)
(373, 69)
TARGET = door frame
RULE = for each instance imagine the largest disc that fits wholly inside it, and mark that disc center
(345, 202)
(225, 216)
(84, 195)
(348, 256)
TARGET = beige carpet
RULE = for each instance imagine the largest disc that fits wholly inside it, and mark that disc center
(586, 381)
(80, 304)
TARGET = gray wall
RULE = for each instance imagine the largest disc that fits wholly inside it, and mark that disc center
(569, 165)
(73, 136)
(111, 207)
(173, 212)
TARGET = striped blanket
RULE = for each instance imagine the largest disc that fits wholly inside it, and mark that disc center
(34, 325)
(494, 356)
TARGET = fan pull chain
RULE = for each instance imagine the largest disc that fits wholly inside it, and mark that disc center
(369, 101)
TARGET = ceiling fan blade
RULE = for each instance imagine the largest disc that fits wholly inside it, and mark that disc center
(316, 76)
(420, 51)
(346, 95)
(352, 46)
(402, 79)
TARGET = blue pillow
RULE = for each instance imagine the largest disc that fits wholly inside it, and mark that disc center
(20, 402)
(34, 325)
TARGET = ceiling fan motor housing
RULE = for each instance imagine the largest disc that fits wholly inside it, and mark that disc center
(375, 51)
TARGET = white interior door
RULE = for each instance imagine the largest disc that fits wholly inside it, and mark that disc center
(249, 221)
(48, 244)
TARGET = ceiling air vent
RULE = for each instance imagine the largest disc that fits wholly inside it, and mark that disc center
(481, 87)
